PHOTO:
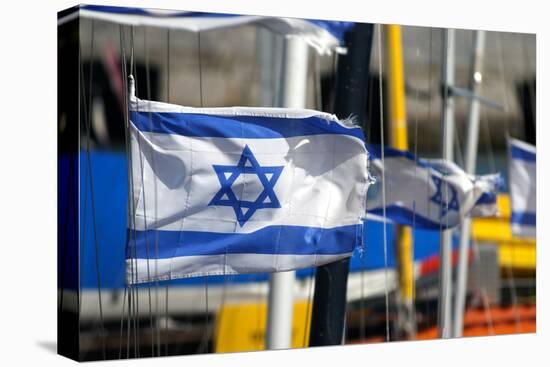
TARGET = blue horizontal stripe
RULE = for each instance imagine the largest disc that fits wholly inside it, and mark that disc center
(336, 28)
(524, 218)
(522, 154)
(487, 198)
(248, 127)
(288, 240)
(375, 152)
(115, 9)
(407, 217)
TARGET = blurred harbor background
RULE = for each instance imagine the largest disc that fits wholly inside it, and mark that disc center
(241, 66)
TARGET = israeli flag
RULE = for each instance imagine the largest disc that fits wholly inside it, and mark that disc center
(324, 36)
(241, 190)
(523, 187)
(431, 194)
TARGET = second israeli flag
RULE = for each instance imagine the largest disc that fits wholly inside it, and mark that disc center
(432, 194)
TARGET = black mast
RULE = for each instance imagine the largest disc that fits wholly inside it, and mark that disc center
(329, 300)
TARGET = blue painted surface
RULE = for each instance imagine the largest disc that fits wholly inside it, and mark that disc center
(67, 221)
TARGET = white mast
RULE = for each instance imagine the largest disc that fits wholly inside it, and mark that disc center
(447, 136)
(281, 285)
(269, 47)
(470, 155)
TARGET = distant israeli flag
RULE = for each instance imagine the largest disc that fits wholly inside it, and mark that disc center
(431, 194)
(241, 190)
(324, 36)
(522, 175)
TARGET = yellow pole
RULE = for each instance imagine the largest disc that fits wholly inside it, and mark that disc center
(398, 140)
(396, 89)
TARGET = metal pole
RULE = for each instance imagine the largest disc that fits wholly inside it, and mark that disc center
(470, 153)
(329, 300)
(281, 285)
(268, 46)
(445, 250)
(280, 304)
(294, 73)
(264, 55)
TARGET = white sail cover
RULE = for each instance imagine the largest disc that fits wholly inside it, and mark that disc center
(323, 36)
(241, 190)
(522, 174)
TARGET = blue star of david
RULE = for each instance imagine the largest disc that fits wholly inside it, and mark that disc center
(437, 198)
(227, 175)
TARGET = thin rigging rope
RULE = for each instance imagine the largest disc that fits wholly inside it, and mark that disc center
(483, 290)
(131, 217)
(156, 328)
(122, 52)
(488, 141)
(308, 307)
(444, 45)
(122, 323)
(221, 304)
(459, 156)
(170, 273)
(147, 254)
(509, 269)
(430, 87)
(207, 328)
(474, 244)
(82, 96)
(362, 321)
(430, 93)
(89, 178)
(370, 117)
(133, 71)
(444, 206)
(310, 281)
(381, 93)
(488, 314)
(413, 237)
(125, 126)
(128, 324)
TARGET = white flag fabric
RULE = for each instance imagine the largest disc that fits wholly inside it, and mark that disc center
(241, 190)
(431, 194)
(324, 36)
(523, 187)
